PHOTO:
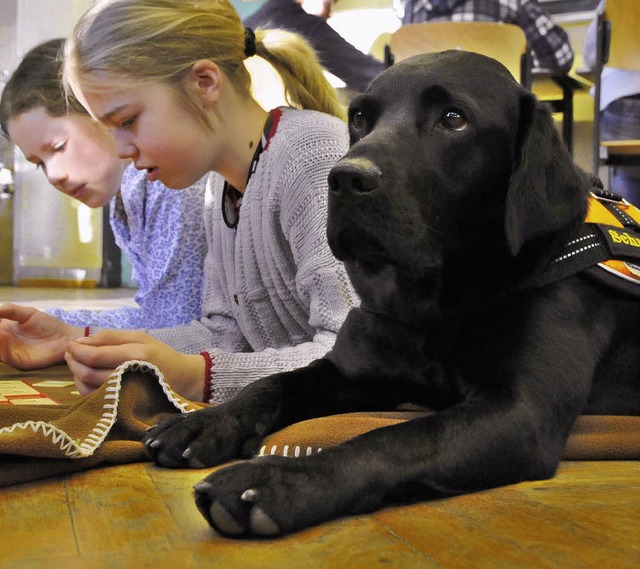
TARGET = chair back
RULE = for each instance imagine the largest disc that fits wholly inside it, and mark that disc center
(623, 19)
(617, 45)
(505, 42)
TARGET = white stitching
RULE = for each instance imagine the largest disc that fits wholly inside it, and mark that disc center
(591, 236)
(567, 255)
(74, 448)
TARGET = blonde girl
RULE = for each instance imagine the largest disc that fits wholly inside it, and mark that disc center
(167, 77)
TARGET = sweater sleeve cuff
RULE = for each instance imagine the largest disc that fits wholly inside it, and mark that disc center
(208, 376)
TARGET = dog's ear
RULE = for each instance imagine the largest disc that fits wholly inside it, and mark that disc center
(546, 190)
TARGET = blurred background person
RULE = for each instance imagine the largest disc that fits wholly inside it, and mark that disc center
(309, 19)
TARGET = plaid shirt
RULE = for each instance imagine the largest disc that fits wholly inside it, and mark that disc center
(549, 42)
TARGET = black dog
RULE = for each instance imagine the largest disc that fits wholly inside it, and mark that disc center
(454, 197)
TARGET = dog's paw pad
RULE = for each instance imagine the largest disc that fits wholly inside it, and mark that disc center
(262, 524)
(224, 521)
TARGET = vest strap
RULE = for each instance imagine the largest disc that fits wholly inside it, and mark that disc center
(607, 245)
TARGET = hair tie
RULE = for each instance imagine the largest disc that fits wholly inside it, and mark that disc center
(249, 42)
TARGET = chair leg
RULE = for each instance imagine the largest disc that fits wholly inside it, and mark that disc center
(567, 117)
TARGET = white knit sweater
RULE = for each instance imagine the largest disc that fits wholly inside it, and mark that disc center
(275, 296)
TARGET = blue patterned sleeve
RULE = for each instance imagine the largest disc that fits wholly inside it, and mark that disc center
(161, 231)
(549, 42)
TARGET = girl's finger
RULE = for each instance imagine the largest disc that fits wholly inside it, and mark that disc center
(107, 356)
(113, 338)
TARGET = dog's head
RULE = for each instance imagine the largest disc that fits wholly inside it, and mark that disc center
(453, 166)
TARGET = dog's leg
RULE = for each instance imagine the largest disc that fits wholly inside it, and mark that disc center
(327, 386)
(234, 429)
(468, 447)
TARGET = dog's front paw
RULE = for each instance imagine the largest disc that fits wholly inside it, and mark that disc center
(268, 496)
(200, 439)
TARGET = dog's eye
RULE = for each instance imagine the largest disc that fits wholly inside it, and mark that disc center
(454, 120)
(358, 121)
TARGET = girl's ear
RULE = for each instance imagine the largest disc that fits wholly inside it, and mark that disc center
(205, 79)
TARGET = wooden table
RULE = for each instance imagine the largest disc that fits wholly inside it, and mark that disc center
(140, 515)
(61, 395)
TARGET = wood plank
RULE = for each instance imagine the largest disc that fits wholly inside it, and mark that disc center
(621, 147)
(53, 283)
(117, 509)
(140, 515)
(324, 547)
(360, 542)
(177, 558)
(175, 489)
(450, 532)
(35, 523)
(581, 518)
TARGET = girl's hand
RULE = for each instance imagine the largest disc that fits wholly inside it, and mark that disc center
(93, 359)
(31, 339)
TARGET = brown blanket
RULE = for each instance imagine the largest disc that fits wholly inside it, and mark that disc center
(106, 427)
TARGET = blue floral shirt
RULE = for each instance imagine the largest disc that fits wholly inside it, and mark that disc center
(161, 231)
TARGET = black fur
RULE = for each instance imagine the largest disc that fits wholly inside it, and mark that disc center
(455, 193)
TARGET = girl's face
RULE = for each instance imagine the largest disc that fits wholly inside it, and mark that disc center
(77, 154)
(152, 126)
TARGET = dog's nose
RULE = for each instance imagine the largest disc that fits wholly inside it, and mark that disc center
(356, 175)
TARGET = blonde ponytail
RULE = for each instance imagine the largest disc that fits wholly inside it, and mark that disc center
(296, 62)
(146, 41)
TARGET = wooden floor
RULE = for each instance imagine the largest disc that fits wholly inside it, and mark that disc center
(68, 298)
(140, 515)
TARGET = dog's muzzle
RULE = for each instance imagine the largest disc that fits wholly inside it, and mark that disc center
(354, 176)
(354, 200)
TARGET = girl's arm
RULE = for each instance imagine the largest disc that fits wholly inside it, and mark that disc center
(162, 233)
(321, 294)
